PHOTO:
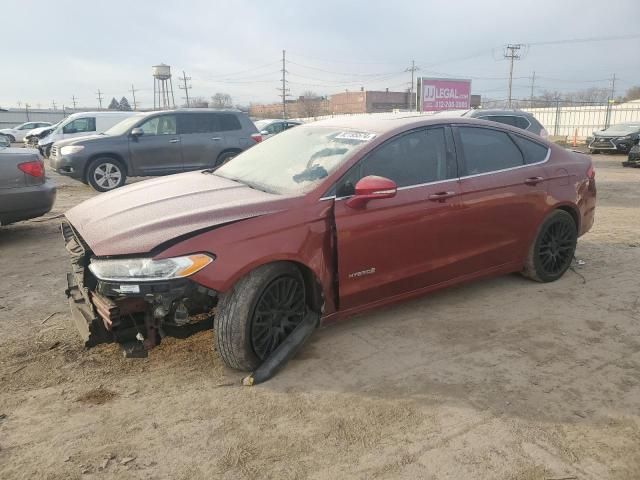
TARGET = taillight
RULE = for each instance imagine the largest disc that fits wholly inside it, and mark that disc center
(591, 172)
(256, 137)
(35, 168)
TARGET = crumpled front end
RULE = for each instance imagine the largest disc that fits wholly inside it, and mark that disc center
(135, 315)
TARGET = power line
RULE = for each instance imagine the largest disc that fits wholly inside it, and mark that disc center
(587, 39)
(99, 97)
(185, 87)
(512, 52)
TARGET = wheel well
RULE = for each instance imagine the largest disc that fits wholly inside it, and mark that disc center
(229, 150)
(115, 156)
(312, 286)
(574, 214)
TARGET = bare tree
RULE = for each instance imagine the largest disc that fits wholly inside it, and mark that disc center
(221, 100)
(310, 104)
(197, 102)
(633, 93)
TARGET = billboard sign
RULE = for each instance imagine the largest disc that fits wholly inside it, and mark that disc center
(445, 94)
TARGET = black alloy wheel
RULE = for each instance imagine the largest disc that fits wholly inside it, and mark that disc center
(556, 247)
(278, 311)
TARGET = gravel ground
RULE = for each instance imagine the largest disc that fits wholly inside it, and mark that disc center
(502, 378)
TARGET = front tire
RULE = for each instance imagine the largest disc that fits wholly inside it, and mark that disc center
(105, 174)
(11, 138)
(224, 158)
(258, 313)
(553, 249)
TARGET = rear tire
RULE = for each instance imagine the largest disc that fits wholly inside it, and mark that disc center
(11, 138)
(105, 174)
(258, 313)
(224, 158)
(553, 249)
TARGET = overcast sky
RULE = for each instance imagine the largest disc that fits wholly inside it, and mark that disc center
(52, 50)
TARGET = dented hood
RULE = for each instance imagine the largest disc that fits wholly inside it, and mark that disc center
(139, 217)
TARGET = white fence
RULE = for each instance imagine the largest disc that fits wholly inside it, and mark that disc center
(570, 121)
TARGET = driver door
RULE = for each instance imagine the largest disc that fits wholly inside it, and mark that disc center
(157, 151)
(397, 245)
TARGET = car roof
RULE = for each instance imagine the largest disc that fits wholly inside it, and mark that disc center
(498, 111)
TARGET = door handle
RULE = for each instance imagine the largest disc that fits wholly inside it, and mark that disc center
(533, 181)
(441, 196)
(174, 140)
(216, 138)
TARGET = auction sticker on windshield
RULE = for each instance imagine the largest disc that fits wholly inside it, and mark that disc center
(362, 136)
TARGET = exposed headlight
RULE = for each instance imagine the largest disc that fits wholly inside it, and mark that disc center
(71, 149)
(148, 269)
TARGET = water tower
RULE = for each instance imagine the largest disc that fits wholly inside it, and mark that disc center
(162, 87)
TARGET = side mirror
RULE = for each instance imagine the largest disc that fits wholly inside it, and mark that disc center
(137, 132)
(372, 188)
(264, 132)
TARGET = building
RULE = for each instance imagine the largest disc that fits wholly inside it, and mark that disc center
(360, 101)
(368, 101)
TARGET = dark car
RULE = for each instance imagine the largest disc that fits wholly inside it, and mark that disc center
(615, 139)
(324, 220)
(24, 191)
(515, 118)
(156, 143)
(633, 160)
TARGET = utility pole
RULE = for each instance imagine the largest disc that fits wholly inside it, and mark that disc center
(512, 52)
(533, 81)
(99, 97)
(412, 69)
(26, 110)
(73, 100)
(284, 90)
(613, 87)
(53, 103)
(133, 94)
(185, 87)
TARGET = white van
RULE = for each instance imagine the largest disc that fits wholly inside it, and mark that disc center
(80, 125)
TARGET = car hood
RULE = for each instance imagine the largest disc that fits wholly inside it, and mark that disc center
(10, 131)
(81, 140)
(38, 131)
(137, 218)
(613, 133)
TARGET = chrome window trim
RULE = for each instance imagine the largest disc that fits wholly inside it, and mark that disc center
(546, 159)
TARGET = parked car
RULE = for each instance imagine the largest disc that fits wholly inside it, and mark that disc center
(268, 128)
(81, 125)
(633, 160)
(330, 218)
(515, 118)
(615, 139)
(24, 191)
(32, 137)
(17, 133)
(155, 143)
(4, 141)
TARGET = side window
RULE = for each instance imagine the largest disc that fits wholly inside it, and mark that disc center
(79, 125)
(487, 150)
(161, 125)
(271, 128)
(194, 123)
(27, 126)
(522, 122)
(533, 152)
(228, 122)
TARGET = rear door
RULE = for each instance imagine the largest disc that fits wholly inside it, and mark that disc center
(400, 244)
(201, 139)
(503, 199)
(157, 151)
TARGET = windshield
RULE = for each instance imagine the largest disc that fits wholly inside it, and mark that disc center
(624, 127)
(260, 124)
(122, 127)
(294, 161)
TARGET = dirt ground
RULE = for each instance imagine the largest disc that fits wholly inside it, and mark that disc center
(503, 378)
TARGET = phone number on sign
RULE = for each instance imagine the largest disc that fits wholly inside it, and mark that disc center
(448, 104)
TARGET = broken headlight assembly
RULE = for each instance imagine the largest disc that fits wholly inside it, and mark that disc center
(148, 269)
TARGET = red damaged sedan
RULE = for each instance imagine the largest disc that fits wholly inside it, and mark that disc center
(332, 219)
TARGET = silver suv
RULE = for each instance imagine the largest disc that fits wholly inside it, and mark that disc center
(155, 143)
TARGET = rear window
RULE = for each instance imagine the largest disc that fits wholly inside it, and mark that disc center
(228, 121)
(513, 120)
(533, 152)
